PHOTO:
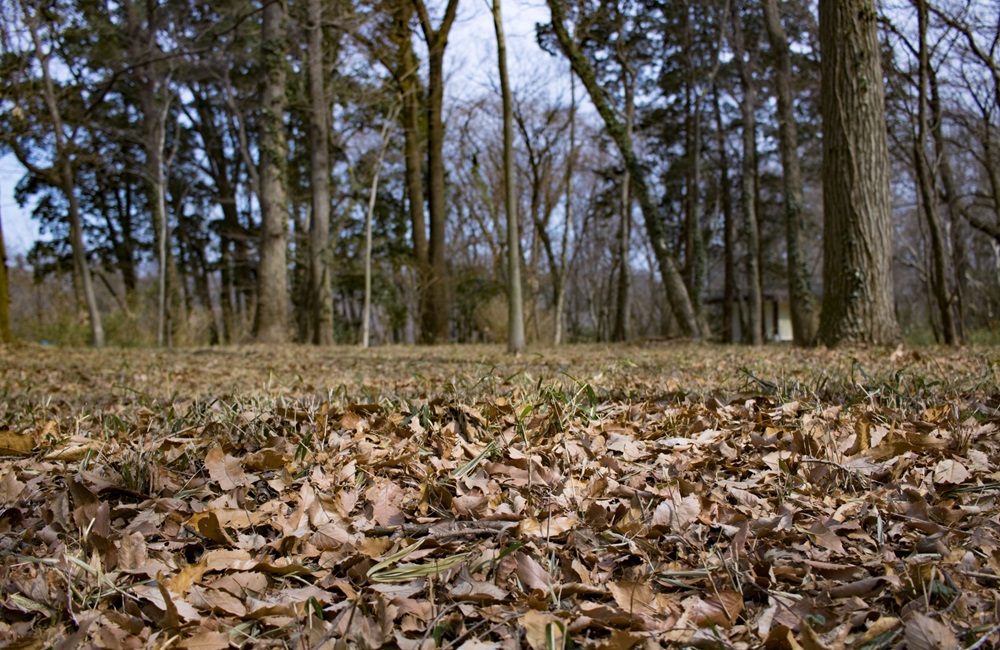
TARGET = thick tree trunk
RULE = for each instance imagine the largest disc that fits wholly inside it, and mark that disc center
(677, 294)
(857, 232)
(515, 305)
(803, 303)
(928, 196)
(319, 296)
(271, 323)
(748, 185)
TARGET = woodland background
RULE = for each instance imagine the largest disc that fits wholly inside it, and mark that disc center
(173, 128)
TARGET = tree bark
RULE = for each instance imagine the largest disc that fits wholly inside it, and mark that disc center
(803, 302)
(271, 323)
(677, 294)
(748, 184)
(857, 232)
(515, 305)
(437, 285)
(319, 296)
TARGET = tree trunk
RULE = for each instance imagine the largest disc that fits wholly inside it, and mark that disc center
(437, 287)
(928, 196)
(857, 230)
(677, 294)
(5, 336)
(559, 275)
(803, 303)
(63, 171)
(748, 184)
(369, 217)
(271, 323)
(515, 306)
(728, 227)
(959, 235)
(410, 92)
(319, 296)
(623, 306)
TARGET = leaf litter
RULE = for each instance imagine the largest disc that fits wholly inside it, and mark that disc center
(640, 497)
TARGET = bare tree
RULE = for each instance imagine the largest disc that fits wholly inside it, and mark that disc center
(437, 287)
(61, 175)
(677, 293)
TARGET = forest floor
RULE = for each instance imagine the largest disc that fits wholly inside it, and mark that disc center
(664, 495)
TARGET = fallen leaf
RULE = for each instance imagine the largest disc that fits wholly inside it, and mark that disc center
(225, 470)
(950, 471)
(16, 444)
(924, 633)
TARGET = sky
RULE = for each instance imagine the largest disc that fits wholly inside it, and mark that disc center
(470, 68)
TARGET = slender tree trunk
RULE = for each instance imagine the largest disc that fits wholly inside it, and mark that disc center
(728, 226)
(271, 323)
(5, 336)
(748, 183)
(928, 196)
(64, 172)
(857, 232)
(677, 294)
(694, 242)
(369, 217)
(319, 296)
(515, 306)
(959, 234)
(623, 302)
(803, 303)
(559, 275)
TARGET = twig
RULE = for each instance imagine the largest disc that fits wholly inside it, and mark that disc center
(443, 529)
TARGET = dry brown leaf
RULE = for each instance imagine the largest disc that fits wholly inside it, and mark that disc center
(677, 514)
(950, 471)
(16, 444)
(636, 599)
(225, 470)
(206, 640)
(924, 633)
(544, 631)
(531, 572)
(181, 581)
